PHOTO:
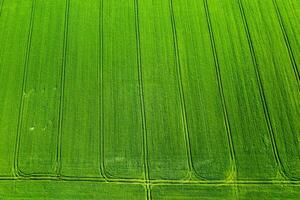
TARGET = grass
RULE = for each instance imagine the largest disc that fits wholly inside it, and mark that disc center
(152, 99)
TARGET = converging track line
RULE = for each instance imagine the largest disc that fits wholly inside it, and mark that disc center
(218, 73)
(262, 94)
(191, 167)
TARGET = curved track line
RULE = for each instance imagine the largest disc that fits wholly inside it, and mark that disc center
(16, 170)
(262, 95)
(191, 167)
(103, 172)
(287, 41)
(220, 86)
(63, 70)
(219, 77)
(58, 157)
(142, 100)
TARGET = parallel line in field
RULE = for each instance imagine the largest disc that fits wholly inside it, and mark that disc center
(142, 100)
(103, 172)
(62, 92)
(142, 181)
(191, 167)
(261, 92)
(154, 183)
(17, 171)
(1, 7)
(287, 41)
(101, 82)
(221, 92)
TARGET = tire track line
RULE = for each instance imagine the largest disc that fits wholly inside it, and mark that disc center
(1, 7)
(16, 170)
(103, 172)
(153, 183)
(262, 93)
(287, 41)
(191, 167)
(62, 92)
(220, 86)
(221, 91)
(142, 101)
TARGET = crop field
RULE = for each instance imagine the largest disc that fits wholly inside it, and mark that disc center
(150, 99)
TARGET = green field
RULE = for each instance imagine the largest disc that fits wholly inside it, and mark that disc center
(150, 99)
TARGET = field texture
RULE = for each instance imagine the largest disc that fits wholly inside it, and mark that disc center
(150, 99)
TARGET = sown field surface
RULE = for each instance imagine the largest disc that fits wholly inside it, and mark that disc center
(150, 99)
